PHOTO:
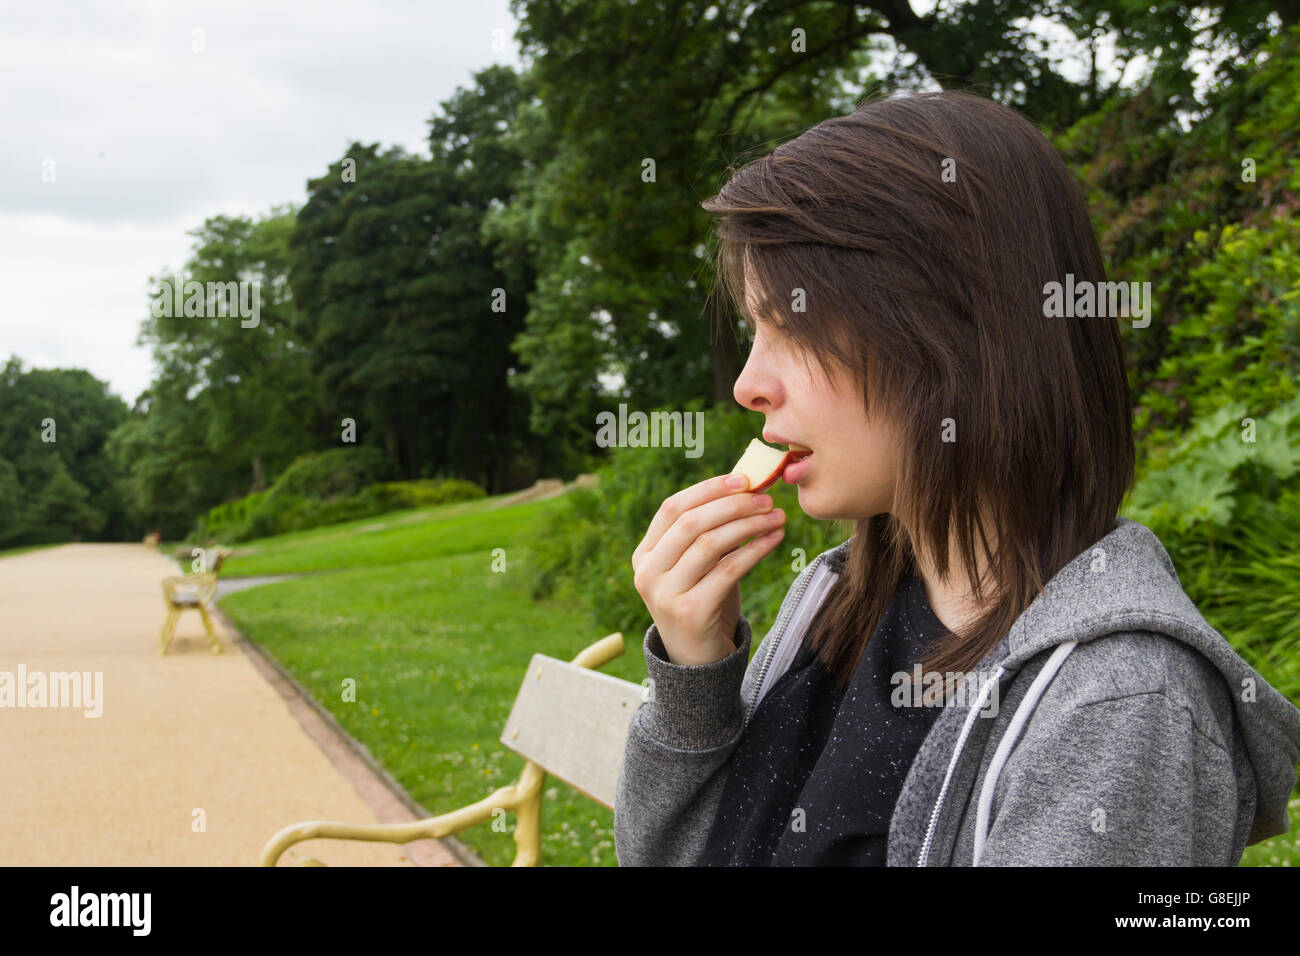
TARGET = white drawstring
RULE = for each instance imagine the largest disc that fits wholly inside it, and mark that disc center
(1008, 741)
(924, 858)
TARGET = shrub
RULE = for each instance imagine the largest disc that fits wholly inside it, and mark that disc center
(271, 516)
(293, 501)
(332, 474)
(1228, 511)
(228, 521)
(278, 511)
(1174, 206)
(1243, 344)
(424, 493)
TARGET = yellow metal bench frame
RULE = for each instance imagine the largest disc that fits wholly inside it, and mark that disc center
(614, 709)
(191, 592)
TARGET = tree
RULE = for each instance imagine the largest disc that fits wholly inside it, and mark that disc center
(169, 473)
(386, 355)
(64, 502)
(248, 375)
(472, 137)
(611, 201)
(12, 506)
(56, 422)
(408, 312)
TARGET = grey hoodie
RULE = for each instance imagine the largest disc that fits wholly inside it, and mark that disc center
(1111, 726)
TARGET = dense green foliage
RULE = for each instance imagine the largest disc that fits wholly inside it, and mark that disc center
(408, 313)
(469, 312)
(330, 474)
(1226, 505)
(56, 483)
(1204, 215)
(231, 403)
(325, 488)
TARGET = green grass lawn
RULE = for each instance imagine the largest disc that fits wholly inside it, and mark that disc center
(271, 555)
(437, 644)
(395, 538)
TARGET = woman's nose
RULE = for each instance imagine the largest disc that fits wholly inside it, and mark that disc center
(755, 388)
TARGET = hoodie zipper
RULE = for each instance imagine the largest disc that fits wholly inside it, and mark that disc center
(929, 832)
(781, 623)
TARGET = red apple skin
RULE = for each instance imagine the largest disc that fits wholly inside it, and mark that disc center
(773, 478)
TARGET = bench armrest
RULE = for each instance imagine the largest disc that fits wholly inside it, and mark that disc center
(508, 798)
(523, 797)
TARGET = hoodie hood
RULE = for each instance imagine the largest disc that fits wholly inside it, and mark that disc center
(1127, 582)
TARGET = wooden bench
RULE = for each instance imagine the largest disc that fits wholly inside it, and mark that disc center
(193, 591)
(190, 591)
(568, 720)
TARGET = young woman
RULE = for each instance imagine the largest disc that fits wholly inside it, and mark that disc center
(994, 668)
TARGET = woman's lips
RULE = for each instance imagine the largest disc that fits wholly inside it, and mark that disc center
(797, 469)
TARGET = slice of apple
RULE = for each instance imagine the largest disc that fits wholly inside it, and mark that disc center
(762, 464)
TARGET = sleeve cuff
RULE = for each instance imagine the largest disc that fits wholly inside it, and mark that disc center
(696, 707)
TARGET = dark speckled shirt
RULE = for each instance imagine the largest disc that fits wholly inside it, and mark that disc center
(817, 771)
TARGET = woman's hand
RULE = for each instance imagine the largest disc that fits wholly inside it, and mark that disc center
(688, 566)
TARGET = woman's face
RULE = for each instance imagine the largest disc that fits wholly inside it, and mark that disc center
(850, 472)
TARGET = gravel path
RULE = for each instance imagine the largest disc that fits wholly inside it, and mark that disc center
(177, 734)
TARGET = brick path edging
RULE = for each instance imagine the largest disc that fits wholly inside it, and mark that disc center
(376, 786)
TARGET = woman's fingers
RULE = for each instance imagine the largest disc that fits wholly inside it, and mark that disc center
(701, 520)
(674, 506)
(709, 547)
(694, 538)
(715, 585)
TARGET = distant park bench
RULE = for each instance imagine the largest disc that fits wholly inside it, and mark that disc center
(568, 720)
(194, 591)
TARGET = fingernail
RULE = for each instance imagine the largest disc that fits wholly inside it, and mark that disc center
(737, 481)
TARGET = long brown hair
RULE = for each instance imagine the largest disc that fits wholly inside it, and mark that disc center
(922, 231)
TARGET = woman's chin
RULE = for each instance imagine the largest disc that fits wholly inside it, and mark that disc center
(809, 504)
(814, 505)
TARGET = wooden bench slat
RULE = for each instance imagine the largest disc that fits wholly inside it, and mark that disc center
(573, 722)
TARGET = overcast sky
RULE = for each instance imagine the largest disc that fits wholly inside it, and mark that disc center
(149, 137)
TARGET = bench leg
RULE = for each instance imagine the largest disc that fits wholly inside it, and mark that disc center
(169, 628)
(212, 633)
(528, 816)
